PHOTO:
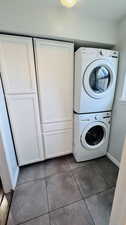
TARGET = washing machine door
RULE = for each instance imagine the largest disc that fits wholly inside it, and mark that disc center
(94, 135)
(98, 79)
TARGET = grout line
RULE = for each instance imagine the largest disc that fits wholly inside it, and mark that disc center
(31, 219)
(89, 213)
(62, 207)
(10, 203)
(97, 193)
(67, 204)
(83, 199)
(100, 192)
(43, 214)
(51, 211)
(47, 201)
(43, 178)
(30, 181)
(65, 171)
(46, 177)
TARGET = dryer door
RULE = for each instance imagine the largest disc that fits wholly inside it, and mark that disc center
(98, 79)
(94, 135)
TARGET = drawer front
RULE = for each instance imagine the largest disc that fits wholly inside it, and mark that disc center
(48, 127)
(58, 143)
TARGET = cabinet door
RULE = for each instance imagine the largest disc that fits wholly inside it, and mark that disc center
(24, 116)
(54, 61)
(17, 64)
(58, 143)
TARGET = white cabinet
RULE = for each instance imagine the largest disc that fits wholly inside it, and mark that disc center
(17, 64)
(18, 75)
(54, 63)
(48, 133)
(24, 116)
(55, 79)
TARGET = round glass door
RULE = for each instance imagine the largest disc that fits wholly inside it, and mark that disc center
(94, 135)
(99, 79)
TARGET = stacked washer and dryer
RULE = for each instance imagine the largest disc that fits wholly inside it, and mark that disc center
(95, 82)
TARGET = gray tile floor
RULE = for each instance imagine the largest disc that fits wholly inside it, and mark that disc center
(63, 192)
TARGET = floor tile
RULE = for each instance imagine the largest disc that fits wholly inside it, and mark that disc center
(75, 214)
(57, 165)
(109, 171)
(74, 164)
(32, 172)
(29, 201)
(100, 207)
(90, 180)
(62, 190)
(43, 220)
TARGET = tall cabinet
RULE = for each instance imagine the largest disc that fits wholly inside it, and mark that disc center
(19, 80)
(54, 65)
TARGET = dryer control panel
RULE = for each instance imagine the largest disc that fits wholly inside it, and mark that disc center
(108, 53)
(98, 52)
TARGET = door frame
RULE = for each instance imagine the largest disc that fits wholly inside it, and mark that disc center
(9, 169)
(118, 215)
(5, 172)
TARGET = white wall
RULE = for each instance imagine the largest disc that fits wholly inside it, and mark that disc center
(29, 17)
(118, 216)
(118, 131)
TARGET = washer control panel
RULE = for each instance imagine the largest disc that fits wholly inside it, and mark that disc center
(102, 116)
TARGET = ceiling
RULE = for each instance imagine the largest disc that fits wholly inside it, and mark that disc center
(103, 9)
(99, 9)
(110, 10)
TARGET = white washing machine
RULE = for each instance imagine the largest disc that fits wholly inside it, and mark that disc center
(95, 79)
(91, 135)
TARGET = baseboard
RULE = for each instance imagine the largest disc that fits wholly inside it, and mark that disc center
(113, 159)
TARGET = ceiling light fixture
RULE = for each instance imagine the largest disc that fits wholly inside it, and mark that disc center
(68, 3)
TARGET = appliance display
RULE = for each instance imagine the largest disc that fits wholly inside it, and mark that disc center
(95, 80)
(91, 135)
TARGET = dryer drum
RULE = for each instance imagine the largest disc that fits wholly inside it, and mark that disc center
(100, 79)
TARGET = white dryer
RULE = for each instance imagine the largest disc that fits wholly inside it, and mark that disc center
(91, 135)
(95, 79)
